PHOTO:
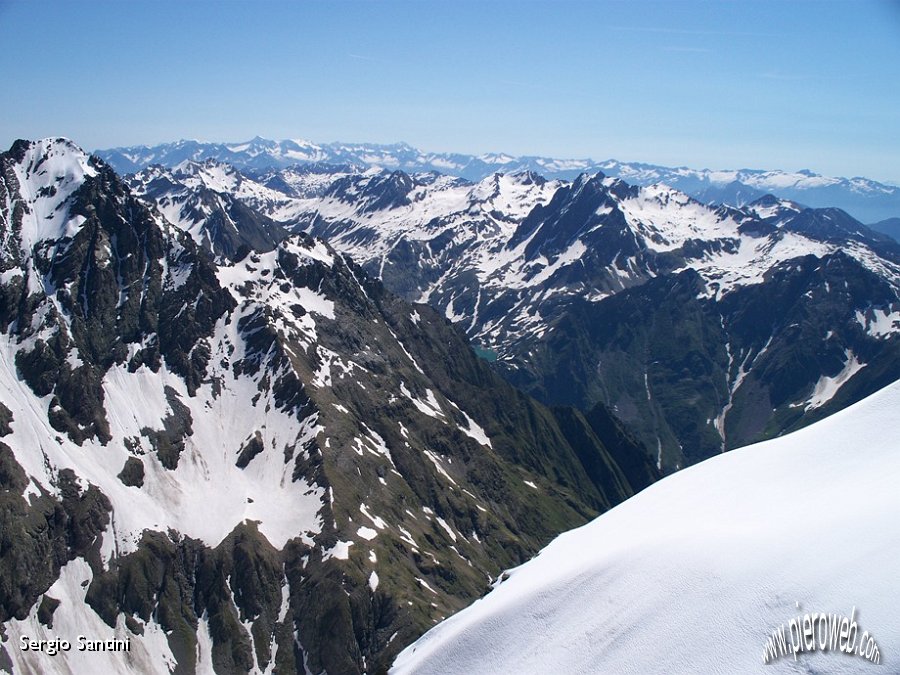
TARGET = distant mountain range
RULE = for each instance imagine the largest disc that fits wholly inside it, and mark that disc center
(867, 200)
(889, 226)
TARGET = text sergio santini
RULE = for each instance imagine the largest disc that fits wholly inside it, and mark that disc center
(82, 644)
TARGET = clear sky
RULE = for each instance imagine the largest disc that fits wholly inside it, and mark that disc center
(756, 84)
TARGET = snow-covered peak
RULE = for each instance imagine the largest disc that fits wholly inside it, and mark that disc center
(301, 151)
(513, 195)
(668, 218)
(303, 143)
(866, 199)
(501, 158)
(51, 165)
(214, 203)
(770, 207)
(556, 166)
(210, 173)
(48, 173)
(49, 152)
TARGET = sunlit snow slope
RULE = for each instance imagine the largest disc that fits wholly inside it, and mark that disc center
(693, 574)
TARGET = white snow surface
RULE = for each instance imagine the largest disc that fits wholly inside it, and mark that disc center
(411, 159)
(880, 323)
(694, 573)
(827, 387)
(51, 170)
(191, 499)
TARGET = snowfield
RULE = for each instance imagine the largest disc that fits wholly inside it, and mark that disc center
(693, 574)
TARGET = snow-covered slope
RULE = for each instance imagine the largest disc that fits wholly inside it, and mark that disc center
(866, 199)
(693, 574)
(541, 272)
(468, 243)
(209, 201)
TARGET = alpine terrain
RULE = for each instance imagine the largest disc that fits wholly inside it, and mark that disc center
(232, 447)
(593, 375)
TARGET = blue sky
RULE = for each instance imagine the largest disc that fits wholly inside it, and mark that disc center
(758, 84)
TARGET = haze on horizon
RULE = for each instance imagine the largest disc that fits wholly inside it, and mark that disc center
(703, 84)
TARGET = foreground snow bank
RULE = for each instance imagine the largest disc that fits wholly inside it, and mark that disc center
(694, 573)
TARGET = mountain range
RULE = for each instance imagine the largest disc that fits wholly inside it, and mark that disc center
(282, 417)
(702, 327)
(867, 200)
(257, 464)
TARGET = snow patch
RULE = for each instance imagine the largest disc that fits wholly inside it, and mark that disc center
(827, 387)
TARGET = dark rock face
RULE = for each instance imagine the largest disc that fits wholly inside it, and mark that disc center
(524, 283)
(249, 450)
(132, 473)
(373, 193)
(625, 298)
(37, 537)
(435, 473)
(221, 224)
(431, 473)
(6, 418)
(392, 353)
(118, 281)
(168, 443)
(47, 608)
(669, 362)
(178, 580)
